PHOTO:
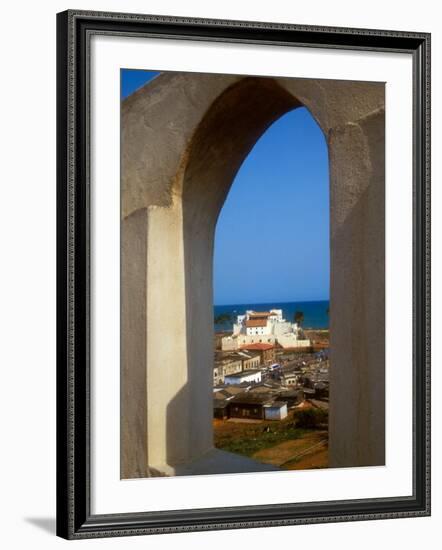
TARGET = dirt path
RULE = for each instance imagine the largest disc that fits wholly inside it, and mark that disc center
(317, 459)
(308, 451)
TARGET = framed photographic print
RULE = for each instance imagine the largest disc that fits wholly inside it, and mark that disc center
(243, 274)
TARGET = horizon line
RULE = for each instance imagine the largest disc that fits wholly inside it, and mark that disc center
(269, 303)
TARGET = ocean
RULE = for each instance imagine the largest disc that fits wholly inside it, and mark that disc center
(315, 313)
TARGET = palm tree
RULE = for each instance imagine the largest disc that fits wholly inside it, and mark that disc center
(222, 319)
(298, 317)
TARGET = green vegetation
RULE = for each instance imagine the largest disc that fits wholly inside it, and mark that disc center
(222, 319)
(309, 419)
(256, 437)
(298, 317)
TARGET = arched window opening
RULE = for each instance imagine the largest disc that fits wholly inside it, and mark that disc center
(271, 278)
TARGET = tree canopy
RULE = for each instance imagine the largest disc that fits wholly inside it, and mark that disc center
(298, 317)
(223, 318)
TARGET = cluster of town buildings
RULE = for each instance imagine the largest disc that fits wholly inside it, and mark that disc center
(259, 378)
(264, 327)
(233, 367)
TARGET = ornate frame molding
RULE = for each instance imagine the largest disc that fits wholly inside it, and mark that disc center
(74, 29)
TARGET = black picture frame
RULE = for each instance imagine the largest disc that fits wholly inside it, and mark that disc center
(74, 519)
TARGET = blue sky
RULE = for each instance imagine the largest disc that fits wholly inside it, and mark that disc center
(131, 80)
(272, 236)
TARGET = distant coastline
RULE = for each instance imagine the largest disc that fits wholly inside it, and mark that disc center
(315, 312)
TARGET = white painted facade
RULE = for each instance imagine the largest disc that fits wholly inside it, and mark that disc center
(255, 323)
(246, 376)
(264, 327)
(290, 379)
(275, 411)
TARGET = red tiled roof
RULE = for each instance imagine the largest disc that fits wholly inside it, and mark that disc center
(258, 346)
(256, 323)
(261, 314)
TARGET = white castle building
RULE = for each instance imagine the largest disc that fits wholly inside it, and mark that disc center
(264, 327)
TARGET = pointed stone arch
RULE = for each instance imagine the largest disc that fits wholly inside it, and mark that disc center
(184, 136)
